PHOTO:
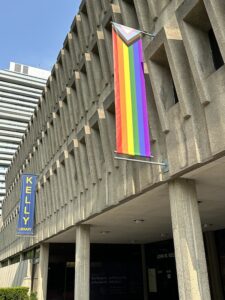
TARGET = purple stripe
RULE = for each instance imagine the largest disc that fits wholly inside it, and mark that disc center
(138, 86)
(144, 102)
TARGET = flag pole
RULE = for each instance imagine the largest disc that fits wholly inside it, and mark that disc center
(147, 33)
(164, 164)
(142, 31)
(141, 161)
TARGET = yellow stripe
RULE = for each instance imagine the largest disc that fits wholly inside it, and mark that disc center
(130, 136)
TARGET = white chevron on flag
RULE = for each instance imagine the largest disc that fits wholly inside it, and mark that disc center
(128, 35)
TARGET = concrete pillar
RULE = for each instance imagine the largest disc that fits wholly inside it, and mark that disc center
(213, 266)
(191, 266)
(43, 272)
(82, 265)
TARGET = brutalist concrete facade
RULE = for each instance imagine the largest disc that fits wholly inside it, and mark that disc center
(70, 141)
(20, 91)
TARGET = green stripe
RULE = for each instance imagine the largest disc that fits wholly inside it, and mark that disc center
(134, 104)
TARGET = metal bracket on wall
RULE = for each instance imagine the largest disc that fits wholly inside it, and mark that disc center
(163, 164)
(165, 167)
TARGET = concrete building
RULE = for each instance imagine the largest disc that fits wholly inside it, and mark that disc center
(20, 89)
(109, 229)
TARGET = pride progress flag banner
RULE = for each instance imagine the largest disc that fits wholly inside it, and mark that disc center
(132, 128)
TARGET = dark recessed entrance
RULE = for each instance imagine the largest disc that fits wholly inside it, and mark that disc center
(161, 271)
(117, 272)
(61, 272)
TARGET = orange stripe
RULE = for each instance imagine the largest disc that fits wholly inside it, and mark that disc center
(122, 95)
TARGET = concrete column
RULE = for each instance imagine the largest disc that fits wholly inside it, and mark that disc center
(43, 272)
(82, 265)
(213, 266)
(191, 266)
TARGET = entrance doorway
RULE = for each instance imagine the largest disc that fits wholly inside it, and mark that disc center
(116, 272)
(161, 271)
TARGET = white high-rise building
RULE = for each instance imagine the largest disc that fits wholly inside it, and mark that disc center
(20, 89)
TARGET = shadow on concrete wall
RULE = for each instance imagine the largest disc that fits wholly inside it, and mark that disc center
(20, 274)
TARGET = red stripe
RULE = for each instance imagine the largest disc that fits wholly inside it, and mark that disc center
(123, 108)
(117, 94)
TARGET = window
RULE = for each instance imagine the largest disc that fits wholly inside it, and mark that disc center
(216, 55)
(17, 68)
(167, 90)
(15, 259)
(176, 100)
(25, 69)
(4, 263)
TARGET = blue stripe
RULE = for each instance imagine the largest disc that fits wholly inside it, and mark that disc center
(137, 67)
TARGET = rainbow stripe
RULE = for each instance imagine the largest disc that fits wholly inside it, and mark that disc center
(132, 129)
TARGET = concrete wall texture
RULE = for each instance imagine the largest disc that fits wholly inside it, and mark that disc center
(18, 274)
(70, 141)
(19, 95)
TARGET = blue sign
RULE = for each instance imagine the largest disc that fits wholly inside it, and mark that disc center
(27, 205)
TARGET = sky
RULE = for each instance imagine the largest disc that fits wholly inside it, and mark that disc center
(33, 31)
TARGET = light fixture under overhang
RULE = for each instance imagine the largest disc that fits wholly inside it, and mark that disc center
(134, 242)
(104, 232)
(206, 225)
(164, 235)
(137, 221)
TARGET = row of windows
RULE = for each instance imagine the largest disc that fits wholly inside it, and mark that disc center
(31, 254)
(21, 69)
